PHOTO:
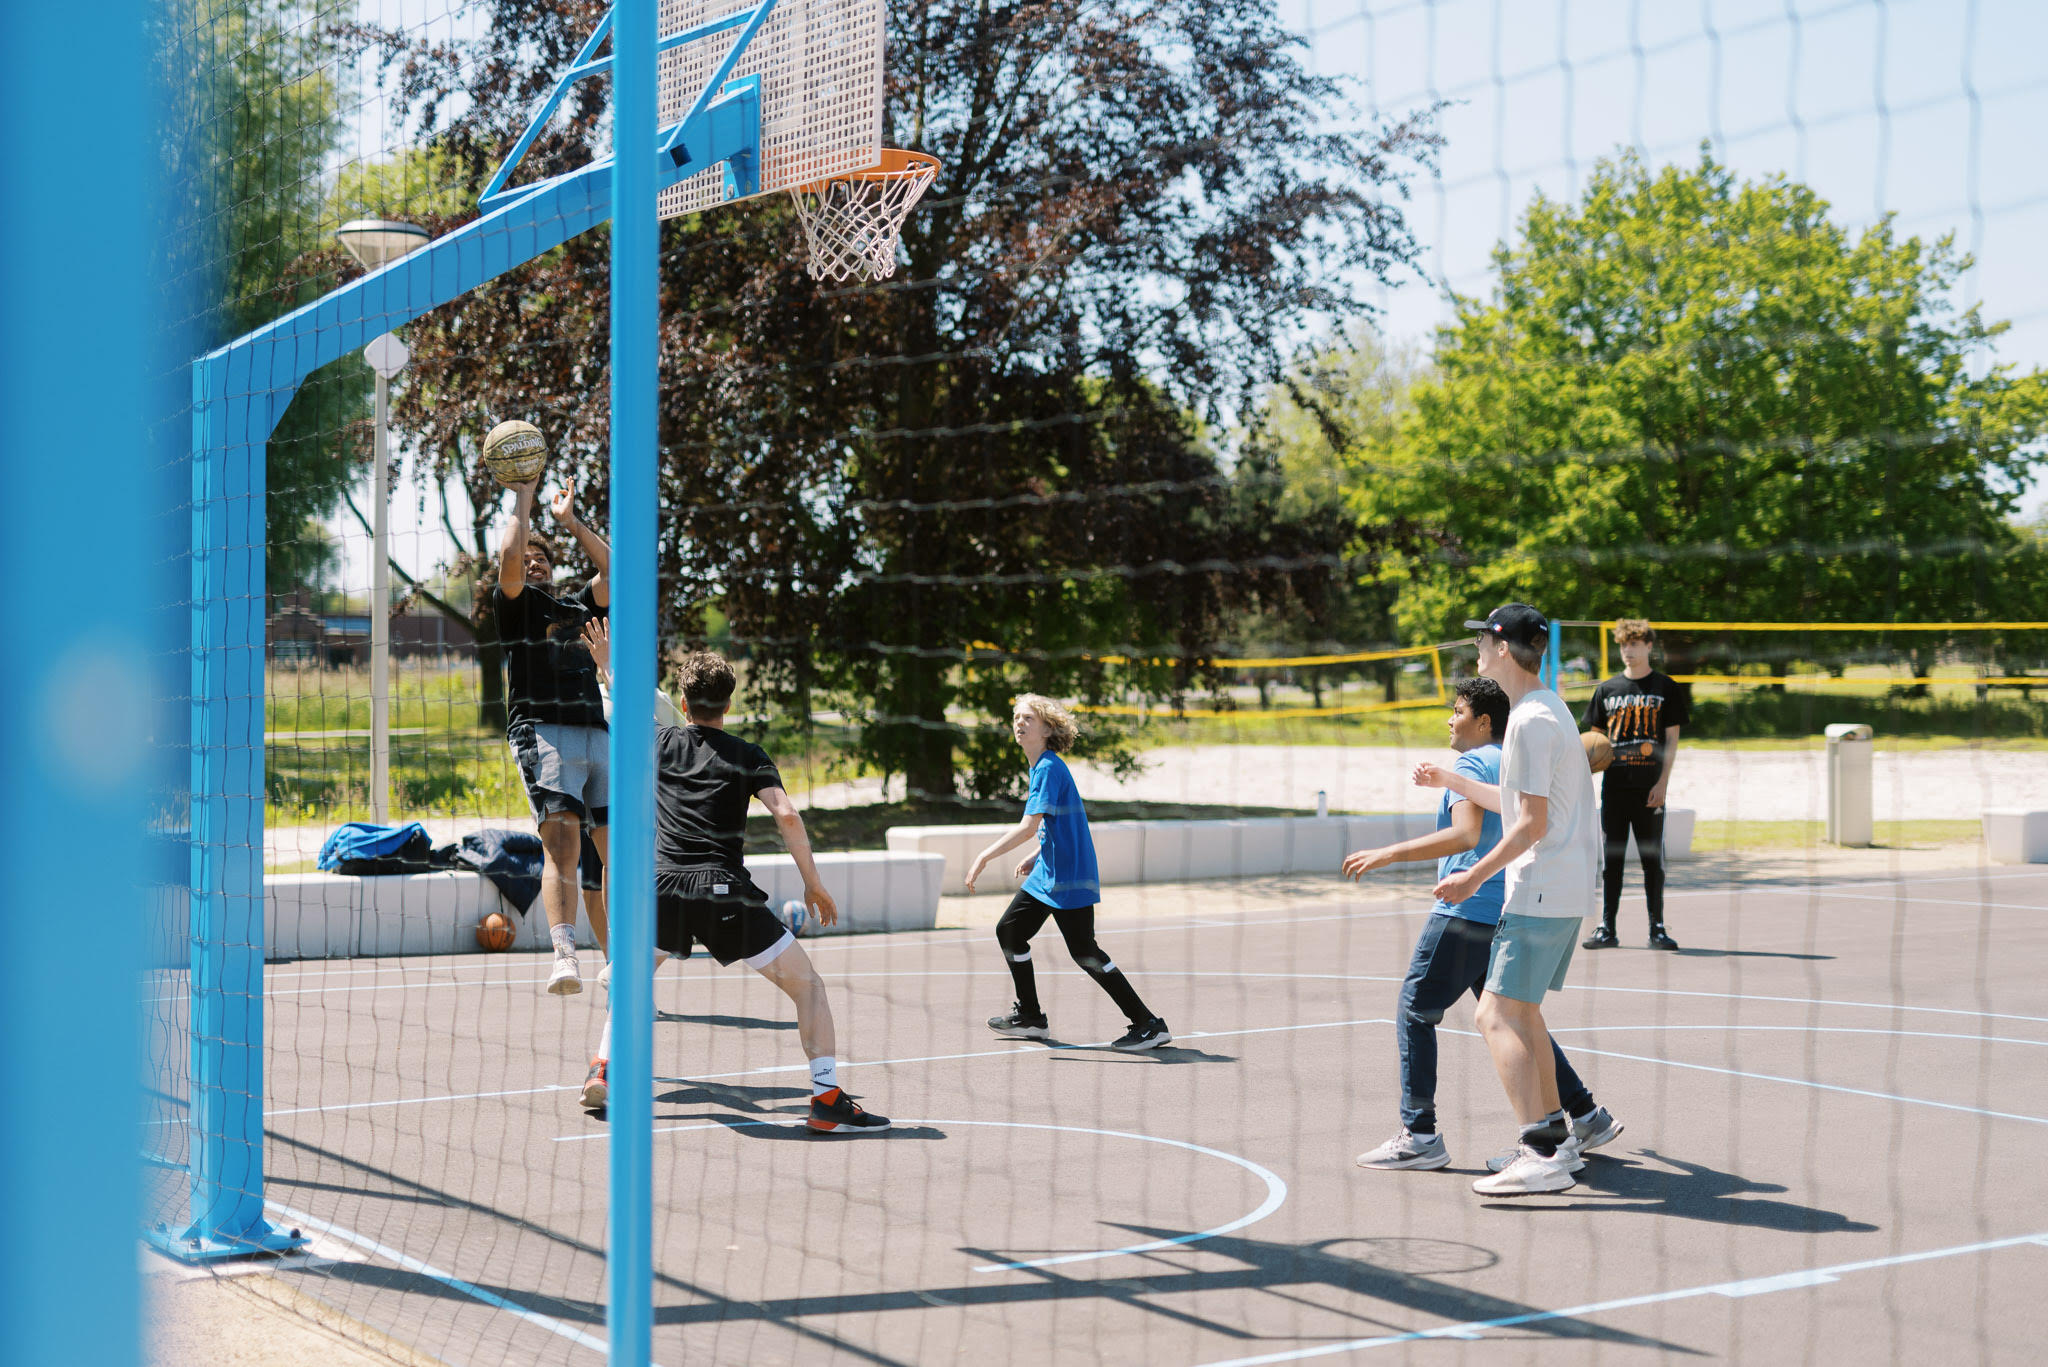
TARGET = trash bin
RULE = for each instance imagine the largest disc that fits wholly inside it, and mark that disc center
(1849, 805)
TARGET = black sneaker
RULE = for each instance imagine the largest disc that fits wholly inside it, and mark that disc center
(1603, 938)
(1018, 1025)
(834, 1112)
(595, 1090)
(1149, 1035)
(1659, 940)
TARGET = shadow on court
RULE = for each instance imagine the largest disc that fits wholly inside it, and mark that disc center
(743, 1022)
(1693, 1191)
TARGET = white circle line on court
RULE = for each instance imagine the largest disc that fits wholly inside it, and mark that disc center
(1276, 1189)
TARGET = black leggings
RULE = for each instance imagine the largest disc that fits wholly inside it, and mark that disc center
(1624, 808)
(1025, 917)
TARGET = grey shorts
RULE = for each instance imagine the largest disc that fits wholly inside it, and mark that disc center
(1530, 955)
(566, 769)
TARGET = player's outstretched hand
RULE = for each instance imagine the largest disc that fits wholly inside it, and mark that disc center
(974, 872)
(525, 492)
(1429, 775)
(1361, 862)
(822, 903)
(597, 634)
(563, 504)
(1459, 887)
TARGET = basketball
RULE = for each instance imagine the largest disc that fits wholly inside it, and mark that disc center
(495, 932)
(514, 452)
(797, 916)
(1599, 750)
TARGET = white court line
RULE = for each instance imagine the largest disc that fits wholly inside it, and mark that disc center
(417, 1100)
(1930, 901)
(1276, 1190)
(412, 1264)
(1754, 1286)
(1795, 1081)
(1736, 889)
(1811, 1030)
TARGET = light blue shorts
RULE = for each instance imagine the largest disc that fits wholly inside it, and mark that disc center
(1530, 955)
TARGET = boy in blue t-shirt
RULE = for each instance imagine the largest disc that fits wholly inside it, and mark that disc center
(1062, 882)
(1451, 956)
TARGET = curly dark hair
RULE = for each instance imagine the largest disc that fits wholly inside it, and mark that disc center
(1485, 698)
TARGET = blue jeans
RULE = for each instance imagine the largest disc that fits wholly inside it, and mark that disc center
(1450, 960)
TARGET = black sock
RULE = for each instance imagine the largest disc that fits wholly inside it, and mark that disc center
(1546, 1134)
(1027, 985)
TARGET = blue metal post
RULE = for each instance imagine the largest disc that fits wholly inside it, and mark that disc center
(1553, 659)
(635, 244)
(239, 393)
(75, 361)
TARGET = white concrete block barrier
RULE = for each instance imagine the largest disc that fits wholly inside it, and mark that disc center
(1128, 852)
(337, 916)
(2016, 835)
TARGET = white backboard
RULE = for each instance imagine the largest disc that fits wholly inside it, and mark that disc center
(820, 63)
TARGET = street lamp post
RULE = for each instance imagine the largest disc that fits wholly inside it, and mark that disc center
(376, 243)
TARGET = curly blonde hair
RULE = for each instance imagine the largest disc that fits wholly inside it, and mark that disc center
(1630, 629)
(1060, 724)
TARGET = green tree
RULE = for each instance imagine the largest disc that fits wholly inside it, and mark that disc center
(1693, 397)
(1004, 443)
(260, 115)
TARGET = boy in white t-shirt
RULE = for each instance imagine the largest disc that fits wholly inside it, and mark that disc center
(1550, 842)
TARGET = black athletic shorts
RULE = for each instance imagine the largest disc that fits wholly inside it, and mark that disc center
(719, 909)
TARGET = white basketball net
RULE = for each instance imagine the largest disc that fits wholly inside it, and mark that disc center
(852, 223)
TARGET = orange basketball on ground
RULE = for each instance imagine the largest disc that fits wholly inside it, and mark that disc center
(1599, 750)
(495, 932)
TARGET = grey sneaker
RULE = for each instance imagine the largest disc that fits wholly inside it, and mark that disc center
(1529, 1173)
(1597, 1129)
(1408, 1150)
(566, 980)
(1571, 1153)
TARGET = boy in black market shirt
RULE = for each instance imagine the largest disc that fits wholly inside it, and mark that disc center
(556, 715)
(1641, 712)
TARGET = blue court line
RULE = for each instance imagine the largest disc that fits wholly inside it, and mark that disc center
(1754, 1286)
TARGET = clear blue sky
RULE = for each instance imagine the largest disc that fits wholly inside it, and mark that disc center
(1867, 101)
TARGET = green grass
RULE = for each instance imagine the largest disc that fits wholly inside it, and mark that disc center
(1714, 836)
(866, 827)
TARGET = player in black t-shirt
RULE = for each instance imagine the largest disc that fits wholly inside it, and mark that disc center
(704, 776)
(1641, 712)
(556, 715)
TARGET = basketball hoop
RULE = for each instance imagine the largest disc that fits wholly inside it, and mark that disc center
(852, 222)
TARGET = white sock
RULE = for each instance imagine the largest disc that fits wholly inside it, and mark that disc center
(564, 938)
(604, 1044)
(824, 1074)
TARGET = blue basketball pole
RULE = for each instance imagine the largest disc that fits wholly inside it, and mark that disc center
(82, 321)
(630, 884)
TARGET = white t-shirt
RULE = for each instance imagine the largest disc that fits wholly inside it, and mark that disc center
(1542, 756)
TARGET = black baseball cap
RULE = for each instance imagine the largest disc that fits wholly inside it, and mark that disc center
(1516, 623)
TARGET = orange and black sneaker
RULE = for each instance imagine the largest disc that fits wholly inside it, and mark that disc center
(595, 1092)
(834, 1112)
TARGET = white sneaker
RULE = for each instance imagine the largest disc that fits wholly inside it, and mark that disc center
(1596, 1129)
(604, 980)
(565, 981)
(1529, 1174)
(1407, 1150)
(1571, 1153)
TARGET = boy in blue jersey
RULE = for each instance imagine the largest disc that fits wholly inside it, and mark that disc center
(1062, 882)
(1452, 954)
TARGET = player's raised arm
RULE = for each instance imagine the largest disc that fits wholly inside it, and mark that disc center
(563, 507)
(1461, 835)
(512, 546)
(789, 824)
(1429, 775)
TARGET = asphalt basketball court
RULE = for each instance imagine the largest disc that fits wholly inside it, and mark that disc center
(1836, 1101)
